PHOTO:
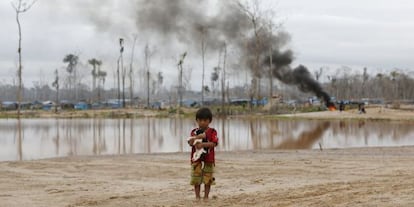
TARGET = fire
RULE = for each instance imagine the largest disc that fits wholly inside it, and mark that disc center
(332, 108)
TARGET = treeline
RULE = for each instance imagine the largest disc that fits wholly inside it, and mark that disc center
(396, 85)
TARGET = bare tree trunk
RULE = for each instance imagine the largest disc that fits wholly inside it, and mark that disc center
(223, 81)
(123, 79)
(180, 81)
(75, 80)
(99, 83)
(119, 81)
(121, 65)
(148, 88)
(147, 73)
(19, 72)
(180, 86)
(19, 50)
(271, 76)
(203, 51)
(131, 71)
(56, 84)
(93, 81)
(123, 84)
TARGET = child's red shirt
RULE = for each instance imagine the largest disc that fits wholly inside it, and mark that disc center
(211, 135)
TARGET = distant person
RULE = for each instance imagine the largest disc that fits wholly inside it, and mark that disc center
(341, 106)
(203, 140)
(361, 108)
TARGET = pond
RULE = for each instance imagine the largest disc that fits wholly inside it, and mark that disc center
(47, 138)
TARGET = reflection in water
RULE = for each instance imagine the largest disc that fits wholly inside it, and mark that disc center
(19, 139)
(42, 138)
(306, 139)
(131, 136)
(56, 139)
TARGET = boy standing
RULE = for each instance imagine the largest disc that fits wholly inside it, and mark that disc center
(202, 167)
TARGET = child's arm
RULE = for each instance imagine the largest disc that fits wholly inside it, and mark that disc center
(191, 140)
(205, 144)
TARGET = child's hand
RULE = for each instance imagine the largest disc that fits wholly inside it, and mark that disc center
(202, 135)
(190, 140)
(199, 145)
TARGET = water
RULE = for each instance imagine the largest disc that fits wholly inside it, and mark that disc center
(46, 138)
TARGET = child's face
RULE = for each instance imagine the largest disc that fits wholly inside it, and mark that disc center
(203, 123)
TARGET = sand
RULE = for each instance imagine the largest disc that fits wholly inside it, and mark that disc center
(335, 177)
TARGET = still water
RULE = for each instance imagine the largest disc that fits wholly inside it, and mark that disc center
(46, 138)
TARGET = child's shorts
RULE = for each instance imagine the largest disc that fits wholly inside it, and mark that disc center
(202, 174)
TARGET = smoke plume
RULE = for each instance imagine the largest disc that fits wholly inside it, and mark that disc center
(299, 76)
(192, 22)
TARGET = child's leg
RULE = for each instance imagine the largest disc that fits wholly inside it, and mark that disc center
(197, 191)
(196, 178)
(206, 191)
(208, 178)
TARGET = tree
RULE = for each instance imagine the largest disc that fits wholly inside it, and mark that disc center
(72, 61)
(180, 80)
(203, 31)
(131, 70)
(148, 54)
(394, 74)
(101, 78)
(20, 6)
(271, 25)
(214, 77)
(95, 63)
(364, 81)
(55, 84)
(318, 73)
(223, 79)
(160, 80)
(121, 61)
(252, 11)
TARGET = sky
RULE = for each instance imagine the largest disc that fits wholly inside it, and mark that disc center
(351, 35)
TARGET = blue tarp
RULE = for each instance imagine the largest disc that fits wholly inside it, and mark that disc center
(82, 106)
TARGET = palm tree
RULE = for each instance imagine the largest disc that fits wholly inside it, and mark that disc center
(72, 61)
(101, 77)
(94, 62)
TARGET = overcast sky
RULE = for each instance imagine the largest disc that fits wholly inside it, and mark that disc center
(377, 34)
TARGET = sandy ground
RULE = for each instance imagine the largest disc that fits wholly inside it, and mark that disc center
(337, 177)
(373, 113)
(341, 177)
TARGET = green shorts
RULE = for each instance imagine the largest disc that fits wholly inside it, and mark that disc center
(202, 174)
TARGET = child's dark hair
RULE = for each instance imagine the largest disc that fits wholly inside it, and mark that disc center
(204, 113)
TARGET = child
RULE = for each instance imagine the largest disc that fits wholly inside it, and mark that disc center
(202, 168)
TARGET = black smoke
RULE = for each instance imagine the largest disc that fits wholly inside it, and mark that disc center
(299, 76)
(192, 21)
